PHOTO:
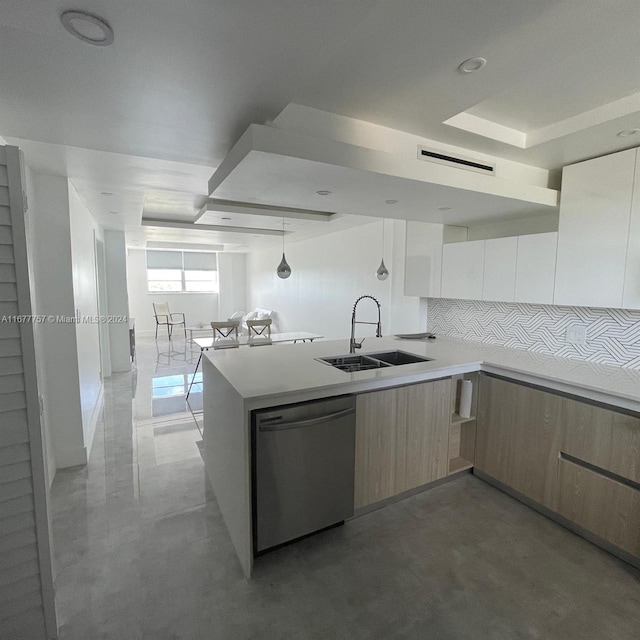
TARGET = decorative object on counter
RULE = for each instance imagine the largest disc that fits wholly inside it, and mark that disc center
(416, 336)
(353, 345)
(382, 273)
(283, 270)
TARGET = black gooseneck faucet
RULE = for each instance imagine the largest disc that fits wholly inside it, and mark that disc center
(353, 345)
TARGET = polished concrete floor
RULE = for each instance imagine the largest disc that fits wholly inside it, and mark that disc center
(141, 551)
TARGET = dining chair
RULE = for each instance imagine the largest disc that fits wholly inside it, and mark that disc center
(225, 334)
(164, 317)
(259, 332)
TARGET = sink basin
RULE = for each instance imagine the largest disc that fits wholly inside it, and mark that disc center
(397, 358)
(352, 362)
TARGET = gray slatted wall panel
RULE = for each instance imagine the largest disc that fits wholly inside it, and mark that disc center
(22, 609)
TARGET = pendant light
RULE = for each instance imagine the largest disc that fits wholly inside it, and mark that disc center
(382, 273)
(283, 270)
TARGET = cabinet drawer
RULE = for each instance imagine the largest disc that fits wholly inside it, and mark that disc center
(601, 437)
(605, 507)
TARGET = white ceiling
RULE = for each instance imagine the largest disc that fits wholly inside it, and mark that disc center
(150, 117)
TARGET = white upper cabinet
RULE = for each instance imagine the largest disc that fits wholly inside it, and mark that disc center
(499, 281)
(423, 259)
(593, 236)
(463, 270)
(536, 268)
(631, 292)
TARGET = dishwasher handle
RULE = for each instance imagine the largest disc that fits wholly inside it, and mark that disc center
(308, 422)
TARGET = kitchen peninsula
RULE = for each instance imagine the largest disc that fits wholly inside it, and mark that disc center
(237, 382)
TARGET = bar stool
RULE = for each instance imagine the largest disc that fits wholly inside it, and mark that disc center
(259, 332)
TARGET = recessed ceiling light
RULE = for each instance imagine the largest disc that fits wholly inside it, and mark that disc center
(107, 193)
(323, 193)
(444, 208)
(627, 132)
(472, 64)
(87, 28)
(390, 201)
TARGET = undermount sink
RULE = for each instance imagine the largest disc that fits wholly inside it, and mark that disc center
(351, 363)
(397, 358)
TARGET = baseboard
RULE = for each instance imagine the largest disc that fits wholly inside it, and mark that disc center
(407, 494)
(147, 333)
(561, 520)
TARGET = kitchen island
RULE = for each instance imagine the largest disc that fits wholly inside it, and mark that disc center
(237, 382)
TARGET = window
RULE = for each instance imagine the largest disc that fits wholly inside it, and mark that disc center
(182, 271)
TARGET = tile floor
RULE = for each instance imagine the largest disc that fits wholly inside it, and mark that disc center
(142, 553)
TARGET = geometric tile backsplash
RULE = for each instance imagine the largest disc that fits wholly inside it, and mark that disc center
(613, 335)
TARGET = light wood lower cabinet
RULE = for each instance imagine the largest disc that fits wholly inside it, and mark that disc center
(518, 434)
(376, 416)
(402, 440)
(601, 505)
(601, 437)
(579, 460)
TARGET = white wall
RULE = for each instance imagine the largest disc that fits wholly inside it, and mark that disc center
(328, 274)
(115, 254)
(57, 356)
(197, 307)
(84, 231)
(232, 274)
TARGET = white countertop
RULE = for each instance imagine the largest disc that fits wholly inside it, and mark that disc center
(278, 374)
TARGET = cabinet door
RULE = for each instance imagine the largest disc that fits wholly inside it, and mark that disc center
(422, 436)
(462, 270)
(376, 424)
(536, 268)
(423, 259)
(499, 281)
(595, 209)
(631, 294)
(517, 441)
(401, 440)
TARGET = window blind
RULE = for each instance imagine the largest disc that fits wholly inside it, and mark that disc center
(200, 261)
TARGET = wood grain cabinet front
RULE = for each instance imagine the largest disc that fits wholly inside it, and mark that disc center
(579, 460)
(402, 440)
(599, 473)
(606, 439)
(604, 506)
(518, 435)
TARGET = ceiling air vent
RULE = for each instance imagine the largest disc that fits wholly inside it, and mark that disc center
(431, 155)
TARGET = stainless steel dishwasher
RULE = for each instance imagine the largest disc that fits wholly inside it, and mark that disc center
(303, 469)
